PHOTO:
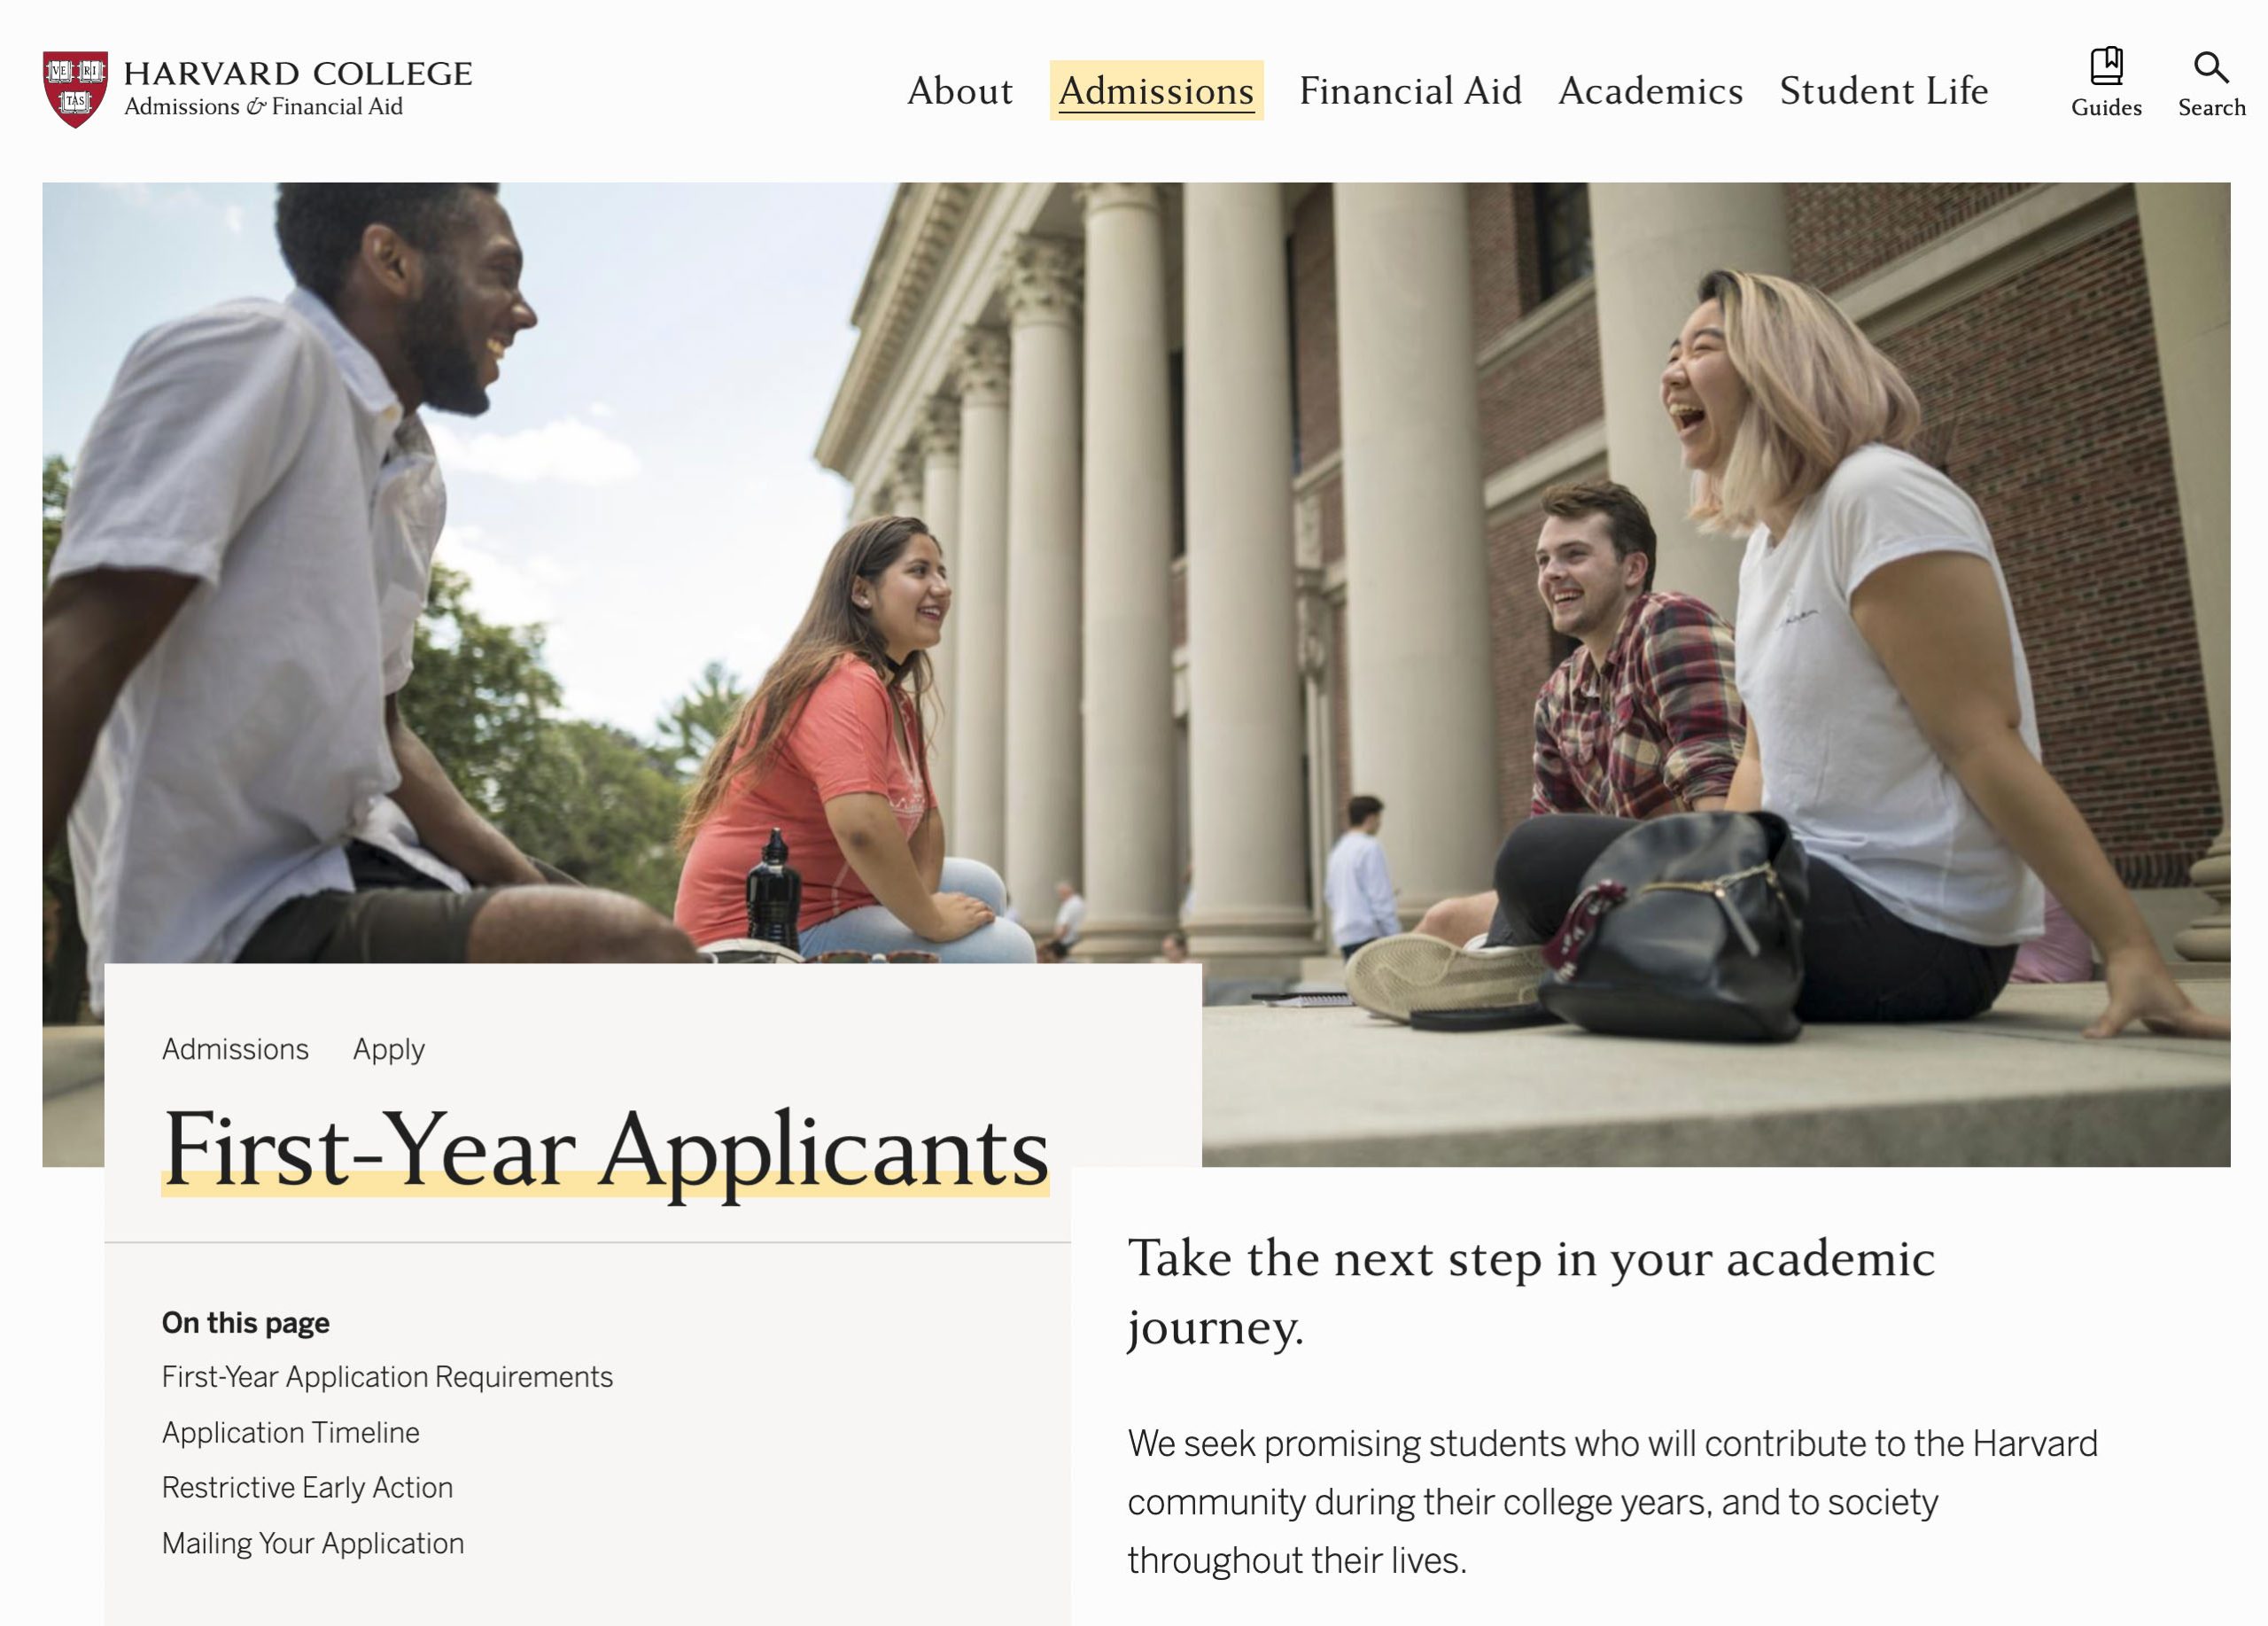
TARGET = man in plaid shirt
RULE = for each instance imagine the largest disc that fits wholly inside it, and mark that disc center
(1642, 718)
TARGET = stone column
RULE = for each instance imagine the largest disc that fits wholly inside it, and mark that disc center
(940, 509)
(1652, 244)
(903, 493)
(1127, 621)
(1247, 841)
(1042, 292)
(1421, 705)
(2186, 251)
(976, 808)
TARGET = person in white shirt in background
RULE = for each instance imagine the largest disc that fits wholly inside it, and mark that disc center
(1070, 915)
(1356, 884)
(234, 602)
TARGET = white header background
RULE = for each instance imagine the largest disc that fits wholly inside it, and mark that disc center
(675, 93)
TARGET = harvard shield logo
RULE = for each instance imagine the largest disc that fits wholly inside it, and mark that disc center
(75, 83)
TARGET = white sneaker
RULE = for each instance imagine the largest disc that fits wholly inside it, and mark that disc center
(1395, 976)
(749, 951)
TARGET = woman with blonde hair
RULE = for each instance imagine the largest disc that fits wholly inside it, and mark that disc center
(832, 749)
(1890, 709)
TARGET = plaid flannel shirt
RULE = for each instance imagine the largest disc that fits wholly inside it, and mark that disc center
(1660, 727)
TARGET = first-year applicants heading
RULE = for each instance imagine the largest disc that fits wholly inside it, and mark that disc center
(521, 1163)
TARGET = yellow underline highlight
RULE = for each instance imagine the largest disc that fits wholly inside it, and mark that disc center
(580, 1183)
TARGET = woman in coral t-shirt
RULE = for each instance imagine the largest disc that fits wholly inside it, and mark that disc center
(831, 750)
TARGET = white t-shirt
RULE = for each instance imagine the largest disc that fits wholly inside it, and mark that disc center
(1070, 920)
(1845, 761)
(1358, 890)
(257, 447)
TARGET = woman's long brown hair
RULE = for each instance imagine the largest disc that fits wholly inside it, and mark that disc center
(831, 629)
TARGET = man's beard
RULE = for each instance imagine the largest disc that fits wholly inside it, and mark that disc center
(448, 375)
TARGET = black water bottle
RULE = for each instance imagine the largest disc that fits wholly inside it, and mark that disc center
(775, 898)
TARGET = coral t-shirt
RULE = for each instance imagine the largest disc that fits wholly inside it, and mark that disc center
(842, 744)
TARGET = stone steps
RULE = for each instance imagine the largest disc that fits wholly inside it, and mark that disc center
(2015, 1085)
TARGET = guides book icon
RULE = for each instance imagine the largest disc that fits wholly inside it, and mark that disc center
(76, 80)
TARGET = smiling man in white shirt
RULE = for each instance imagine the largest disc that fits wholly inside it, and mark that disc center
(234, 605)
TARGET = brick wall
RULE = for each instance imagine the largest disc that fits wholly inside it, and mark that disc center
(2049, 388)
(1839, 232)
(1548, 389)
(1523, 650)
(1330, 495)
(1499, 295)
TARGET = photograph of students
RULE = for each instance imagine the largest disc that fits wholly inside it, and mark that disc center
(832, 750)
(1869, 577)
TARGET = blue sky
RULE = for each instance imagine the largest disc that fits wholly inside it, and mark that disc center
(642, 482)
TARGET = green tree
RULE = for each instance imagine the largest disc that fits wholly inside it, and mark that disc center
(54, 497)
(481, 697)
(593, 804)
(697, 722)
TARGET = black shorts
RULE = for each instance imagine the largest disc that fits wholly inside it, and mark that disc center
(1861, 963)
(396, 914)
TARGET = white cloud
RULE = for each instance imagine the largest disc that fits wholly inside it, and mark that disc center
(507, 587)
(599, 408)
(567, 450)
(233, 218)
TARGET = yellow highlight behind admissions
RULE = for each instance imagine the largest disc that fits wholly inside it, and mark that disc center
(1154, 92)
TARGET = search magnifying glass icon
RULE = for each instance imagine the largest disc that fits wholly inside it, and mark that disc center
(2208, 63)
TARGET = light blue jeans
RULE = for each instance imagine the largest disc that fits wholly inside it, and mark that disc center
(875, 930)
